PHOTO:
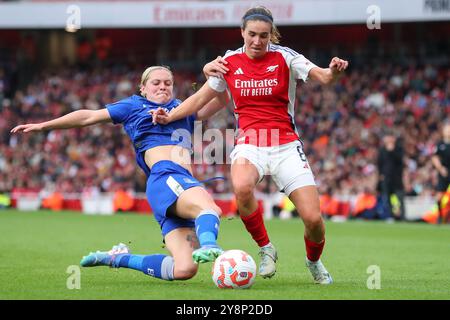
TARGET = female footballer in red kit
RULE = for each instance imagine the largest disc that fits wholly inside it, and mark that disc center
(262, 77)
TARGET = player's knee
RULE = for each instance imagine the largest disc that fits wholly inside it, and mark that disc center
(216, 209)
(313, 221)
(209, 206)
(243, 190)
(185, 271)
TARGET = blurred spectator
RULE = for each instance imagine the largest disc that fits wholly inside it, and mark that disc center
(366, 205)
(102, 46)
(5, 200)
(287, 209)
(2, 87)
(54, 201)
(441, 161)
(329, 205)
(123, 200)
(26, 59)
(85, 53)
(440, 211)
(390, 170)
(340, 124)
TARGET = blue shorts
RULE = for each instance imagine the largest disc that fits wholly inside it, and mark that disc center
(165, 184)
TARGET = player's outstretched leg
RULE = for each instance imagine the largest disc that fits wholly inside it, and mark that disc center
(156, 265)
(207, 228)
(104, 258)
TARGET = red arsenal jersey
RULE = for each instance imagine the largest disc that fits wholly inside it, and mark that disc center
(263, 93)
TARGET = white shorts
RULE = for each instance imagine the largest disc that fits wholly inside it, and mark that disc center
(286, 163)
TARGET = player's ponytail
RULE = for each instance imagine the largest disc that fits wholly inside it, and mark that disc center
(261, 13)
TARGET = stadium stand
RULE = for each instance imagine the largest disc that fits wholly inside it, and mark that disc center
(401, 86)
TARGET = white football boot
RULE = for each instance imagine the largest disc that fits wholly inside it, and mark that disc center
(319, 273)
(269, 257)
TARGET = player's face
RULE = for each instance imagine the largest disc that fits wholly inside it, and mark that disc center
(159, 86)
(256, 37)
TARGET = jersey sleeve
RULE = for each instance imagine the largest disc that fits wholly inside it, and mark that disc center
(119, 111)
(217, 84)
(301, 66)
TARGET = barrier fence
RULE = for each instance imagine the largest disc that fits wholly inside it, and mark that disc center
(110, 203)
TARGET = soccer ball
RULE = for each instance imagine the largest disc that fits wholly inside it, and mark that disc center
(234, 269)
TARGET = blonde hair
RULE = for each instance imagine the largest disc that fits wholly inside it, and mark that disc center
(146, 75)
(261, 13)
(149, 70)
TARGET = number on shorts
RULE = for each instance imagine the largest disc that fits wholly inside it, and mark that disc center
(301, 153)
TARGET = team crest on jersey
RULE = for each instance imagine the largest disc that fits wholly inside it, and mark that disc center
(271, 68)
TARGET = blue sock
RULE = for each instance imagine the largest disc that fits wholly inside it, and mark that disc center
(207, 227)
(155, 265)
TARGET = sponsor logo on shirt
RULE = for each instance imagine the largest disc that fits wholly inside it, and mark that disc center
(252, 83)
(253, 88)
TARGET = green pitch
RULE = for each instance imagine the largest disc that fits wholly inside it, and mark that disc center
(38, 248)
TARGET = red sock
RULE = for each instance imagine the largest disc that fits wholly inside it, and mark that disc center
(254, 224)
(313, 249)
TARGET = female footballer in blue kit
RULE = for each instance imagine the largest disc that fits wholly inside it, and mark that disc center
(178, 200)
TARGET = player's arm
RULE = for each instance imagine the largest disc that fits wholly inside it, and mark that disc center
(75, 119)
(436, 161)
(189, 106)
(331, 74)
(214, 105)
(215, 68)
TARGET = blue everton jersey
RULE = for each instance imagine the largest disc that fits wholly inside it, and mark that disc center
(133, 114)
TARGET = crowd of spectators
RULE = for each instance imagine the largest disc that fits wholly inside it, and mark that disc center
(341, 125)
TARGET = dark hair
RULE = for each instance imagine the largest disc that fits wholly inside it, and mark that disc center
(261, 13)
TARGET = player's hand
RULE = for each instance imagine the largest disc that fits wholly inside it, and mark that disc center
(215, 68)
(159, 116)
(338, 65)
(27, 127)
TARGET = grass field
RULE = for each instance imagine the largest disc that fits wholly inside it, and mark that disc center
(38, 247)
